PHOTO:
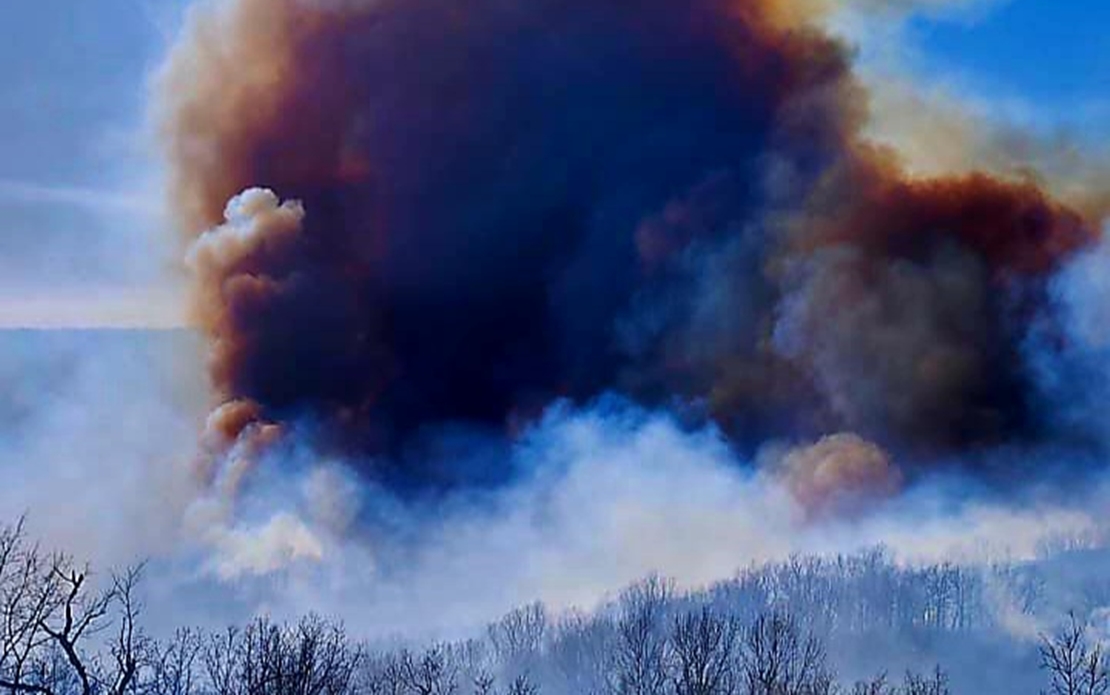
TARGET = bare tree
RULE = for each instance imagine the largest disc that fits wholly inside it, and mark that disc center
(54, 621)
(172, 666)
(430, 673)
(579, 652)
(642, 650)
(518, 640)
(130, 646)
(935, 683)
(522, 685)
(476, 663)
(875, 686)
(221, 666)
(312, 657)
(484, 683)
(777, 659)
(25, 603)
(704, 653)
(1074, 666)
(377, 675)
(521, 631)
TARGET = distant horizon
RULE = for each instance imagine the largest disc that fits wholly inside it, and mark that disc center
(98, 329)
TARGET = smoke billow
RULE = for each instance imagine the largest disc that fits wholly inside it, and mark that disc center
(840, 474)
(494, 206)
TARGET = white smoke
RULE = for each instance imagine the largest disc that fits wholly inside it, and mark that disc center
(612, 493)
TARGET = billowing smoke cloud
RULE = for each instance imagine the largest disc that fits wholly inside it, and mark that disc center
(444, 218)
(840, 474)
(910, 309)
(940, 129)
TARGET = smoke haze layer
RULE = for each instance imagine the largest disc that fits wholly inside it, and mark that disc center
(445, 218)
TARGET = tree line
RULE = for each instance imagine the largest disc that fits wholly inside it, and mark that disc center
(766, 632)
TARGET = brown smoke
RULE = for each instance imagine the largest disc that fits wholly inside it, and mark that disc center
(840, 475)
(906, 300)
(939, 133)
(501, 204)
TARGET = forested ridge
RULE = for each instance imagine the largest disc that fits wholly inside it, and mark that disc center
(862, 624)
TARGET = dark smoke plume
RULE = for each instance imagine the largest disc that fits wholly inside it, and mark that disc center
(500, 204)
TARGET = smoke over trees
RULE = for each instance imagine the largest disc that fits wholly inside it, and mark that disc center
(806, 627)
(498, 296)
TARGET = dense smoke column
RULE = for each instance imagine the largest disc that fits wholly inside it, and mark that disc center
(500, 204)
(908, 303)
(472, 183)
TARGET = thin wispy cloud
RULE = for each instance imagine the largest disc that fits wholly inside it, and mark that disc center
(27, 193)
(133, 308)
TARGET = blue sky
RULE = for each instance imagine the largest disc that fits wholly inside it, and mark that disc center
(1050, 53)
(80, 237)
